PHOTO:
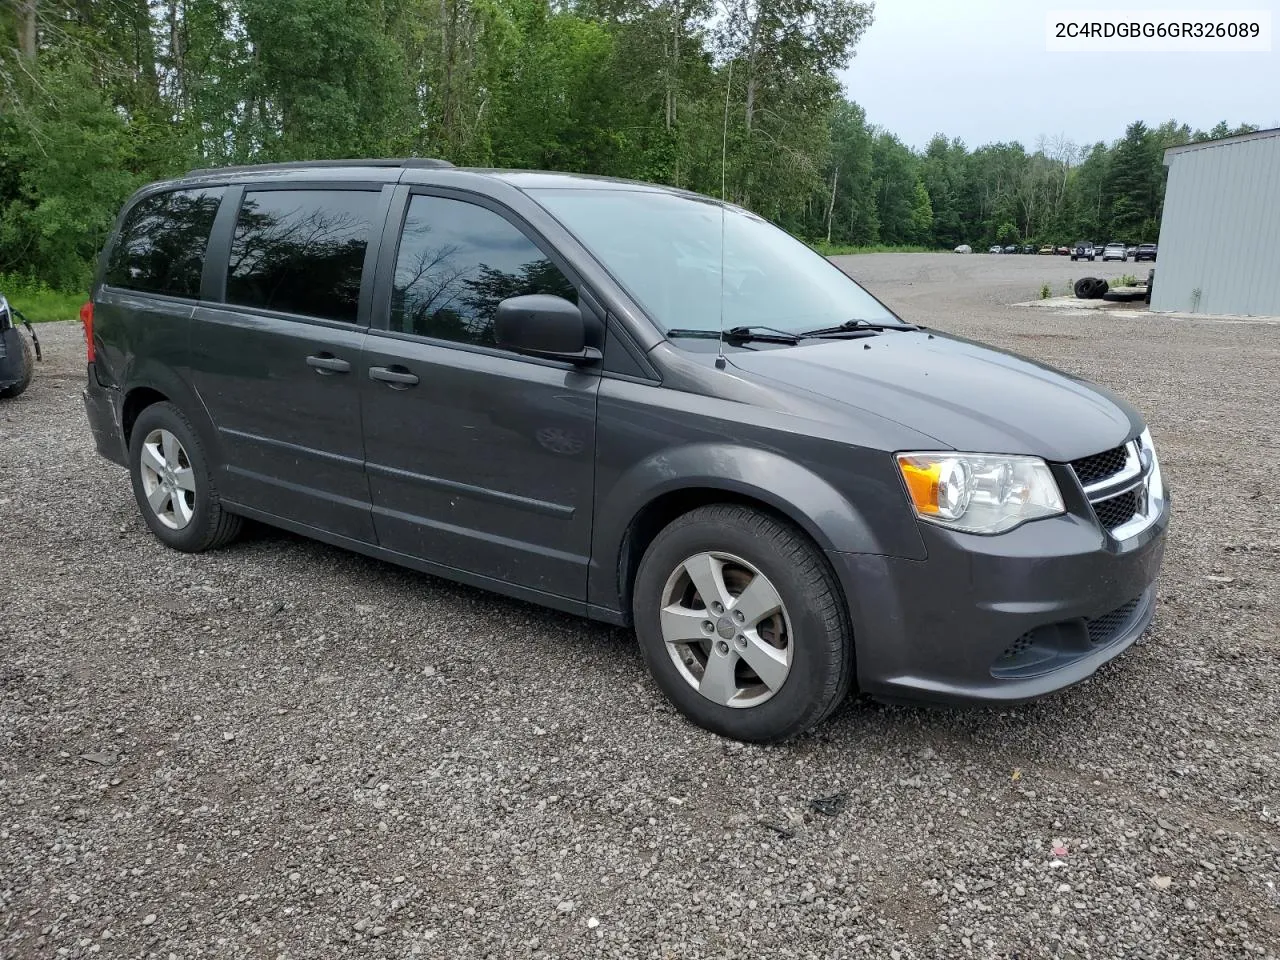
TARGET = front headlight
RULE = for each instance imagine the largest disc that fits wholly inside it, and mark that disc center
(979, 493)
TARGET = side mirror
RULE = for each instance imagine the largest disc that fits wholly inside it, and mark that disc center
(543, 325)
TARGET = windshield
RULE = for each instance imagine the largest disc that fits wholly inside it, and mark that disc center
(665, 250)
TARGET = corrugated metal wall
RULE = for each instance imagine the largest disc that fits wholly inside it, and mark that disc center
(1220, 234)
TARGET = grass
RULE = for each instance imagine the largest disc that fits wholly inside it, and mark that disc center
(37, 301)
(845, 249)
(1128, 280)
(1045, 292)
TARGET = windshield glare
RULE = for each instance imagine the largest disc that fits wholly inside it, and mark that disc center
(665, 250)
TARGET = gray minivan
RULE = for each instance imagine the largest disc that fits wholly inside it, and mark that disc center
(629, 402)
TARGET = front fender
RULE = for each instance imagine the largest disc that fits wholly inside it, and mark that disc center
(829, 516)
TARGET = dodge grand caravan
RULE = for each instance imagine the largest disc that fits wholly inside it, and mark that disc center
(629, 402)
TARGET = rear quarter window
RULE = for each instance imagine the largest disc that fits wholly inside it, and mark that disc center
(161, 245)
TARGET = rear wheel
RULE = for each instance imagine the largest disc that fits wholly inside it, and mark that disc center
(173, 482)
(742, 624)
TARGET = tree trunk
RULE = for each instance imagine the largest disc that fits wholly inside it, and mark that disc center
(27, 28)
(752, 44)
(831, 207)
(177, 56)
(448, 45)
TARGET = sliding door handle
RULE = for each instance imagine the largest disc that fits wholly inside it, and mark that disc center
(327, 363)
(397, 377)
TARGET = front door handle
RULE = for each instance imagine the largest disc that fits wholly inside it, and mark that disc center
(327, 363)
(397, 377)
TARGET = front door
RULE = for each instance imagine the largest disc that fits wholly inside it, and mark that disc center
(277, 363)
(478, 459)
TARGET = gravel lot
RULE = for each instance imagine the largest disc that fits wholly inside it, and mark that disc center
(283, 749)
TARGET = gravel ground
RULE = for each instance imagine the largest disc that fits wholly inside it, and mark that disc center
(283, 749)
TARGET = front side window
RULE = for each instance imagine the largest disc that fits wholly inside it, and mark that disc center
(457, 261)
(693, 263)
(301, 251)
(162, 242)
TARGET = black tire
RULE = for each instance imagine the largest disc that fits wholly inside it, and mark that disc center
(822, 652)
(1090, 288)
(13, 337)
(210, 526)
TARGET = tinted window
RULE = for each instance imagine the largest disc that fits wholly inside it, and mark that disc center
(301, 251)
(457, 262)
(162, 243)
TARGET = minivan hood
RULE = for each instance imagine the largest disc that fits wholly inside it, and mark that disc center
(967, 396)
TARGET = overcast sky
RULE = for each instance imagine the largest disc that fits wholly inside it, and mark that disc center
(979, 70)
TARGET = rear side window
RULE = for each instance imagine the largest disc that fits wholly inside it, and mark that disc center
(162, 242)
(301, 251)
(457, 261)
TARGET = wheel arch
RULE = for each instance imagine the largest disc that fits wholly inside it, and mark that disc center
(151, 383)
(657, 491)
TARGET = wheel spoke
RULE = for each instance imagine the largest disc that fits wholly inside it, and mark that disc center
(152, 458)
(683, 625)
(186, 479)
(707, 574)
(717, 679)
(757, 601)
(769, 663)
(158, 497)
(171, 449)
(181, 510)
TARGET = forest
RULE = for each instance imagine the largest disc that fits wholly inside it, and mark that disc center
(737, 99)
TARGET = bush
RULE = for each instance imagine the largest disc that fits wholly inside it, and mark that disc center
(845, 249)
(37, 301)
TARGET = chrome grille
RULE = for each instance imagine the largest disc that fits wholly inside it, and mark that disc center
(1117, 511)
(1117, 484)
(1101, 466)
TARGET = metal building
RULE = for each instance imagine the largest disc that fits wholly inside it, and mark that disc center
(1220, 235)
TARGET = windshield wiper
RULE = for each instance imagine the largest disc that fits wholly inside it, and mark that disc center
(853, 326)
(699, 334)
(742, 334)
(769, 334)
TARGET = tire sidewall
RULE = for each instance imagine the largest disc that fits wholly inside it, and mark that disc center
(791, 708)
(166, 416)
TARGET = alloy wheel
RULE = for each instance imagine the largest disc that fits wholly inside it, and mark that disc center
(167, 479)
(726, 629)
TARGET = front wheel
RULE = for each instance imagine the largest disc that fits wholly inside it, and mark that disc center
(742, 624)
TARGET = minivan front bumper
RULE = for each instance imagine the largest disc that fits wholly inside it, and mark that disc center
(1000, 618)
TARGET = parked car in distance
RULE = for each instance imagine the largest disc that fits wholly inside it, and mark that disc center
(1130, 250)
(1114, 251)
(1048, 250)
(964, 248)
(996, 250)
(1084, 250)
(1145, 251)
(1063, 251)
(521, 381)
(1011, 248)
(1028, 248)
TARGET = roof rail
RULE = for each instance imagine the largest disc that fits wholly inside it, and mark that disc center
(306, 164)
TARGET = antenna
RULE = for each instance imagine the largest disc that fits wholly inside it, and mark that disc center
(724, 154)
